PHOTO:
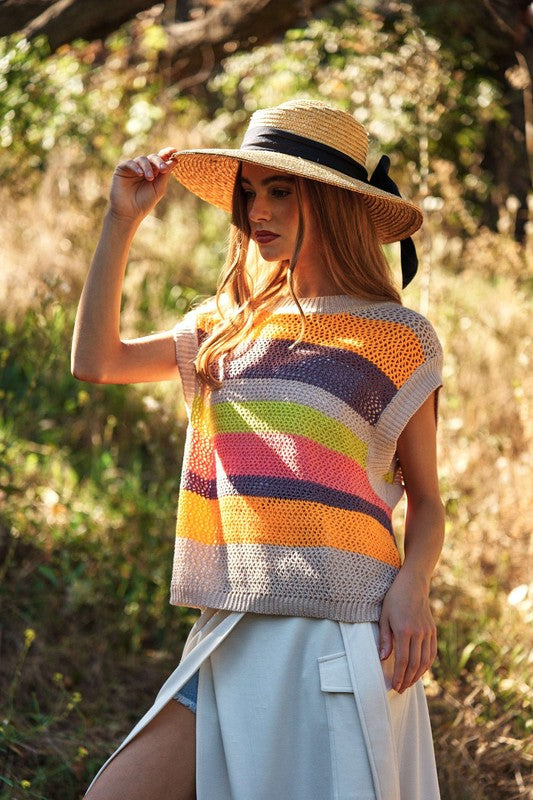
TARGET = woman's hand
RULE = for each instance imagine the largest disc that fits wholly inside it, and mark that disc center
(139, 184)
(406, 624)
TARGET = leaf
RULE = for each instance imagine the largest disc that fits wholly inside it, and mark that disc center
(48, 573)
(465, 655)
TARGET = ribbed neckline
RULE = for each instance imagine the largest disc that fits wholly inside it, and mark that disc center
(327, 304)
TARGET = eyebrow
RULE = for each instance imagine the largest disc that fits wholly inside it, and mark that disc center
(272, 179)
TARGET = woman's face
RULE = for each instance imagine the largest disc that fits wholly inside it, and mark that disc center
(272, 207)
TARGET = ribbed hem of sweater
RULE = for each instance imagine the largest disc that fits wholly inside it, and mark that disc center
(339, 611)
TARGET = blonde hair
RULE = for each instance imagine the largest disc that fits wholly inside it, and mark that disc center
(349, 247)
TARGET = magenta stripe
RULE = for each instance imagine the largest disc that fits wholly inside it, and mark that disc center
(289, 456)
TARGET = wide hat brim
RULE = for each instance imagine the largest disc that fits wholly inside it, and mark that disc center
(211, 173)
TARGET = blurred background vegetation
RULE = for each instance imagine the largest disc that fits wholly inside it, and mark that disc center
(89, 474)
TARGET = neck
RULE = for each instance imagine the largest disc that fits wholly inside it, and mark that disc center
(309, 279)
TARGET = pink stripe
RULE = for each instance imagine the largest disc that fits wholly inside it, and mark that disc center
(288, 456)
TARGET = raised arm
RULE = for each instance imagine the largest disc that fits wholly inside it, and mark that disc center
(99, 354)
(406, 620)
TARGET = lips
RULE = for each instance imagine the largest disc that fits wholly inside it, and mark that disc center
(265, 237)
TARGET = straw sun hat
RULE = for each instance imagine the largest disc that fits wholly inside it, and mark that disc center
(312, 140)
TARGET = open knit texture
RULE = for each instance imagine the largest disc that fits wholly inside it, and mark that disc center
(290, 471)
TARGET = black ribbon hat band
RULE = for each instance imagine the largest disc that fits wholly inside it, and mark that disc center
(291, 144)
(264, 137)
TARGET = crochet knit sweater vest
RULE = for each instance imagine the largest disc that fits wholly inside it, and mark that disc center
(290, 471)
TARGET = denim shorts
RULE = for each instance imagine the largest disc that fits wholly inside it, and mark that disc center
(188, 694)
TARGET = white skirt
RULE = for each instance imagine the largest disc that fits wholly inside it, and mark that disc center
(300, 709)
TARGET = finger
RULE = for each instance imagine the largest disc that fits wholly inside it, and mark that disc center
(159, 164)
(143, 162)
(433, 647)
(415, 660)
(165, 152)
(385, 639)
(425, 659)
(129, 167)
(401, 660)
(152, 165)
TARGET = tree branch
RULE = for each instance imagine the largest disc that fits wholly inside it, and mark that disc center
(15, 14)
(225, 29)
(514, 18)
(65, 20)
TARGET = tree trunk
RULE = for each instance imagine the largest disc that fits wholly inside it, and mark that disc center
(505, 158)
(509, 150)
(514, 18)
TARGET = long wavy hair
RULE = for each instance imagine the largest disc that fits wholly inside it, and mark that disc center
(249, 286)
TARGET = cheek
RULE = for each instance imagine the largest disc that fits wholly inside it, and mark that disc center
(291, 217)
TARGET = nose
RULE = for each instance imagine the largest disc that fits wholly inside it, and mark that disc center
(259, 209)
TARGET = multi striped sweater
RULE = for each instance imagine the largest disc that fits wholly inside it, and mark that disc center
(290, 471)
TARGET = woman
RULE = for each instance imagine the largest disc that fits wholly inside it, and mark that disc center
(311, 394)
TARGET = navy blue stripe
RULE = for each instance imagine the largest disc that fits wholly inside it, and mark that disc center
(284, 489)
(344, 374)
(205, 487)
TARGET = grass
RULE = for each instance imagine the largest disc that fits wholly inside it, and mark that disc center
(89, 478)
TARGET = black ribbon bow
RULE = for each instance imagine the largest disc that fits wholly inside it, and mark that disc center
(381, 179)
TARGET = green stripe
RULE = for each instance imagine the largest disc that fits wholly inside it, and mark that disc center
(270, 416)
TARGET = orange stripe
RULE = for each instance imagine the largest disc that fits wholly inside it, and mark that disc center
(379, 341)
(287, 523)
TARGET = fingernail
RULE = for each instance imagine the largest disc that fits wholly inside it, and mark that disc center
(382, 652)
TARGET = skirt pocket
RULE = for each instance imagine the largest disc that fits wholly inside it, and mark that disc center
(352, 777)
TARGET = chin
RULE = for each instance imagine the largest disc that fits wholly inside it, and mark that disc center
(268, 254)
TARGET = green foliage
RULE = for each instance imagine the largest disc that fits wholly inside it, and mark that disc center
(412, 86)
(16, 737)
(89, 475)
(70, 101)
